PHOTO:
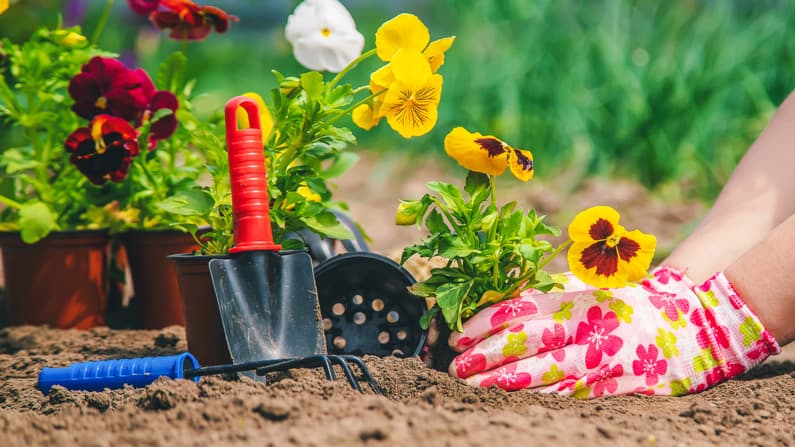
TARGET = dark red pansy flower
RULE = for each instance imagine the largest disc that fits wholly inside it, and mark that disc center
(165, 126)
(143, 7)
(104, 150)
(189, 21)
(106, 86)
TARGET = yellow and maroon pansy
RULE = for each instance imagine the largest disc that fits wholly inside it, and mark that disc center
(605, 254)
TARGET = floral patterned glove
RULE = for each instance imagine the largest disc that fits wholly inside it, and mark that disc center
(664, 336)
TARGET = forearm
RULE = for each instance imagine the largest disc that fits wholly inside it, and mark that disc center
(759, 196)
(765, 277)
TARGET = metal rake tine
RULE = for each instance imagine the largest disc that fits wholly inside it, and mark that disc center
(300, 362)
(365, 372)
(330, 375)
(347, 370)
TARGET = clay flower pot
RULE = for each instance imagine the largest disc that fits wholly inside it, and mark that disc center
(60, 281)
(154, 278)
(203, 328)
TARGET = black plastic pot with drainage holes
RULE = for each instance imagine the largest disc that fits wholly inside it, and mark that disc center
(366, 306)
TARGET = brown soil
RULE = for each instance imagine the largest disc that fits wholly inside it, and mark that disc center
(420, 406)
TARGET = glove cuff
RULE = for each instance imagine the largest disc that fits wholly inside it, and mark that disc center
(738, 339)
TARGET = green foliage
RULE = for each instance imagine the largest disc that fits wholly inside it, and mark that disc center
(491, 252)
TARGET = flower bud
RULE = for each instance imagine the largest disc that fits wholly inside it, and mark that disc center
(68, 38)
(288, 85)
(408, 211)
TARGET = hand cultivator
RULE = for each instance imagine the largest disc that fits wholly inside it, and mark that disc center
(96, 376)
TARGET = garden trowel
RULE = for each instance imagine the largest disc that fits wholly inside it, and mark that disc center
(266, 297)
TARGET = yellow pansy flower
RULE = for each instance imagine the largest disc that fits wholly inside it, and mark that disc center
(411, 101)
(403, 31)
(605, 254)
(3, 6)
(265, 117)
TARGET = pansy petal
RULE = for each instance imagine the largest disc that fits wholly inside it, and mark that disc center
(364, 117)
(638, 264)
(583, 224)
(413, 112)
(410, 68)
(403, 31)
(435, 52)
(381, 78)
(476, 152)
(521, 163)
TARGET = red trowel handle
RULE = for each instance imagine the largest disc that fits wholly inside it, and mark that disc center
(250, 208)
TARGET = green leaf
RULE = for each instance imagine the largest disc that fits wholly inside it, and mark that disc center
(450, 298)
(193, 202)
(341, 164)
(454, 247)
(312, 83)
(450, 194)
(171, 74)
(423, 288)
(427, 317)
(435, 223)
(327, 224)
(36, 221)
(476, 181)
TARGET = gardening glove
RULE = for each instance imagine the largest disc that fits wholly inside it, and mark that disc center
(664, 336)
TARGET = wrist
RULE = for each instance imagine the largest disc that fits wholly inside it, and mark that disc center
(737, 335)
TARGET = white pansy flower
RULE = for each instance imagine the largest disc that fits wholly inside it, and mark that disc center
(323, 35)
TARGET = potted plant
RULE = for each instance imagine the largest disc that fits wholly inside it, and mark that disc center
(54, 254)
(304, 145)
(104, 149)
(493, 252)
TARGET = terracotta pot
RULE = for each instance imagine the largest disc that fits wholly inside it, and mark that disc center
(154, 279)
(203, 328)
(60, 281)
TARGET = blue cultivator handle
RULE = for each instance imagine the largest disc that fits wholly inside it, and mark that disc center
(96, 376)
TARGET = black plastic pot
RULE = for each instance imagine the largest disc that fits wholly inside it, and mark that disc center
(366, 306)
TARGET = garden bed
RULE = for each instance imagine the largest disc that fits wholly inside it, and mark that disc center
(420, 406)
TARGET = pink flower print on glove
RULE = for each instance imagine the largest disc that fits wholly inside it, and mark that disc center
(664, 336)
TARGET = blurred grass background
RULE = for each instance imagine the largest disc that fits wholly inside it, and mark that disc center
(670, 93)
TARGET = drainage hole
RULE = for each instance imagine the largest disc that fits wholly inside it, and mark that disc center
(357, 299)
(383, 337)
(338, 309)
(392, 316)
(359, 318)
(327, 324)
(402, 334)
(339, 342)
(377, 304)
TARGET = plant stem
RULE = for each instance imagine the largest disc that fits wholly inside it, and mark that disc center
(103, 19)
(10, 202)
(554, 253)
(350, 67)
(354, 106)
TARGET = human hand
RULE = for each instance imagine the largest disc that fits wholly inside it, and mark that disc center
(664, 336)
